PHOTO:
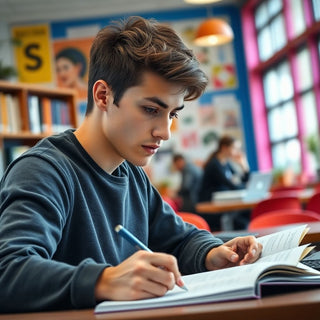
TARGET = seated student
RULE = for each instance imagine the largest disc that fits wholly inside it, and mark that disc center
(61, 200)
(225, 169)
(191, 176)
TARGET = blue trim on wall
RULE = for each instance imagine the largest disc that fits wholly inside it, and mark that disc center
(59, 30)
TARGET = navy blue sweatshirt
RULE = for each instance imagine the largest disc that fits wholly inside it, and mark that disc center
(57, 217)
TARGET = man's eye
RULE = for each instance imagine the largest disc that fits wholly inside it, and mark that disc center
(174, 115)
(150, 110)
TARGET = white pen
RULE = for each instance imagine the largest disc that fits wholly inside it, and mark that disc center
(127, 235)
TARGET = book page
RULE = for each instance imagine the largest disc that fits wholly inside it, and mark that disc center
(289, 256)
(283, 240)
(219, 285)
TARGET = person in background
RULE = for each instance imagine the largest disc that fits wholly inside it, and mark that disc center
(61, 200)
(71, 67)
(191, 176)
(226, 168)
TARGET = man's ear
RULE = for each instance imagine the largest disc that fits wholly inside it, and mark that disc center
(102, 95)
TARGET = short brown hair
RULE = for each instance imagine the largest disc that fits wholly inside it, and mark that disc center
(123, 51)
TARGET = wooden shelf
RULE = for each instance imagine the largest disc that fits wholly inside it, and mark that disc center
(30, 112)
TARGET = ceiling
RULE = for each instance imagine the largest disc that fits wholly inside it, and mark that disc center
(24, 11)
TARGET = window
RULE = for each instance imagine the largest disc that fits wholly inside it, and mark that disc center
(297, 16)
(281, 115)
(316, 9)
(270, 28)
(287, 64)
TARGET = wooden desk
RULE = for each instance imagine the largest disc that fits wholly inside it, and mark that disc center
(300, 305)
(212, 207)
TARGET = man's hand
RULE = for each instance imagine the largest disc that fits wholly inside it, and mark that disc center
(238, 251)
(143, 275)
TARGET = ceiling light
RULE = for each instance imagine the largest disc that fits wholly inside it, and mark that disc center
(213, 32)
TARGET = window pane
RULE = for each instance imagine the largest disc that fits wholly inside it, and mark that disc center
(287, 155)
(278, 33)
(275, 122)
(297, 15)
(279, 156)
(261, 15)
(304, 69)
(309, 110)
(283, 122)
(270, 82)
(274, 7)
(265, 44)
(289, 120)
(293, 152)
(316, 9)
(285, 81)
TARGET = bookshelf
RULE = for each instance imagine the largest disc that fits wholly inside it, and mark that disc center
(29, 113)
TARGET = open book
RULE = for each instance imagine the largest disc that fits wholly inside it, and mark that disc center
(277, 267)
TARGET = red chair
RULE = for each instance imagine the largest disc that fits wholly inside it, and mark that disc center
(275, 203)
(283, 217)
(313, 203)
(194, 219)
(171, 203)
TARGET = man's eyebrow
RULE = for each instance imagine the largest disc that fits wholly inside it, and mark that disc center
(161, 103)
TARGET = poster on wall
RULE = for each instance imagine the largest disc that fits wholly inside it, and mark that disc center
(202, 123)
(32, 53)
(217, 62)
(71, 57)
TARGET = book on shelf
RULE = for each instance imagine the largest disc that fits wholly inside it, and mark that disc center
(60, 115)
(48, 115)
(10, 116)
(278, 268)
(34, 113)
(4, 118)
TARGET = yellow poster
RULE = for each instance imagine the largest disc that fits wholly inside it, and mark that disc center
(32, 55)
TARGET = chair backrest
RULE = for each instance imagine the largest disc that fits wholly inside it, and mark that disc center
(194, 219)
(313, 203)
(283, 217)
(275, 203)
(316, 187)
(170, 202)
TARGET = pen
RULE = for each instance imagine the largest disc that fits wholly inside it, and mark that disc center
(127, 235)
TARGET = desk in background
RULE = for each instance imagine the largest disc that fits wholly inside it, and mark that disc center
(212, 207)
(229, 208)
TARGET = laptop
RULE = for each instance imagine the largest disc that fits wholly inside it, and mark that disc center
(257, 189)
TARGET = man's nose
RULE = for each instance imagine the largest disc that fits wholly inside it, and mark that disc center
(162, 129)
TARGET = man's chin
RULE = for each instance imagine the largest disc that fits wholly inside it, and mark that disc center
(141, 162)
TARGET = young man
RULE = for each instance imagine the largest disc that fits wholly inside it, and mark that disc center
(62, 199)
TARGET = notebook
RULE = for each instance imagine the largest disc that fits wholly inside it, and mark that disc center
(257, 189)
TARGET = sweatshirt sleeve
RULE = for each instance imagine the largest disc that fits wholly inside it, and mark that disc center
(169, 233)
(31, 226)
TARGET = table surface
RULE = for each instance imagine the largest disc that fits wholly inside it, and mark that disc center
(303, 305)
(212, 207)
(282, 306)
